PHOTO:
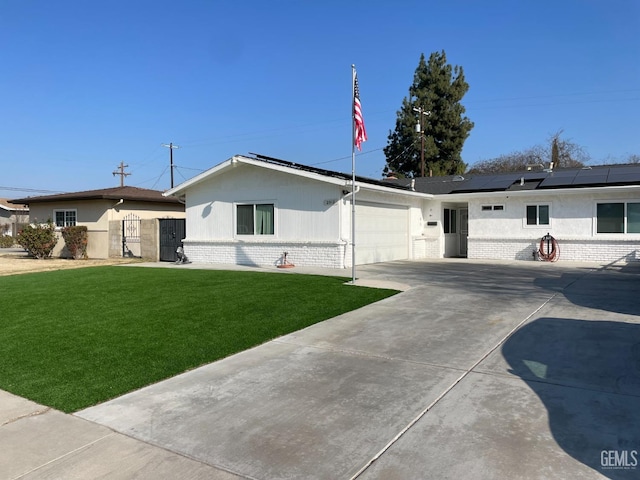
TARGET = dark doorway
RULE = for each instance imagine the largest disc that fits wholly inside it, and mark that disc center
(172, 232)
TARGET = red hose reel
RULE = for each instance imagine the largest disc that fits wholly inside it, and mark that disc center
(549, 250)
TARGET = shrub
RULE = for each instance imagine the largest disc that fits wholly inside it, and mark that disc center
(39, 239)
(6, 241)
(76, 239)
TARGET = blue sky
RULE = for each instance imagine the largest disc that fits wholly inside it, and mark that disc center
(87, 85)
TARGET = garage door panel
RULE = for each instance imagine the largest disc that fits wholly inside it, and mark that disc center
(382, 233)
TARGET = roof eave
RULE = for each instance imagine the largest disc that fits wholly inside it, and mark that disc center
(89, 197)
(397, 191)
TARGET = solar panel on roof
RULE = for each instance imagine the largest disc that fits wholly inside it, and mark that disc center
(474, 183)
(589, 180)
(624, 174)
(556, 182)
(564, 173)
(632, 177)
(592, 172)
(591, 176)
(502, 182)
(559, 178)
(487, 182)
(624, 169)
(534, 175)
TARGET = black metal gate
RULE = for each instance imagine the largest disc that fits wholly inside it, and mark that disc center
(131, 236)
(172, 232)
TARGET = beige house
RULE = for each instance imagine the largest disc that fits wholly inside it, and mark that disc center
(121, 221)
(12, 215)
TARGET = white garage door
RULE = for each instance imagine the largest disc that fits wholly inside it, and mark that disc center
(382, 233)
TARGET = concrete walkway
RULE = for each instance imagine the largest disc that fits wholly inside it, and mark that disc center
(477, 370)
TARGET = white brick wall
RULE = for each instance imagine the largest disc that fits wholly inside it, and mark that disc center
(426, 247)
(604, 251)
(322, 254)
(600, 250)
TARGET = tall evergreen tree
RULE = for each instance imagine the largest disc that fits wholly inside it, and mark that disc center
(437, 88)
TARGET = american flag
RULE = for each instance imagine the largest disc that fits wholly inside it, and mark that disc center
(360, 132)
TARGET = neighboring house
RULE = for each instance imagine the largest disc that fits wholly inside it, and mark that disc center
(593, 212)
(107, 214)
(11, 217)
(251, 210)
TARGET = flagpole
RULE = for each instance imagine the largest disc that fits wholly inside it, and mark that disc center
(353, 176)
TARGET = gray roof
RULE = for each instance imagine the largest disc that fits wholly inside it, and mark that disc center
(592, 176)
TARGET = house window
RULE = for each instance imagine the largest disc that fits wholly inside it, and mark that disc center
(488, 208)
(618, 217)
(65, 218)
(633, 217)
(449, 220)
(255, 219)
(537, 214)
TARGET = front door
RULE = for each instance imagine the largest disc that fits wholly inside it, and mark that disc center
(464, 231)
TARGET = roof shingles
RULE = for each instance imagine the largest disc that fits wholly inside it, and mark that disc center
(116, 193)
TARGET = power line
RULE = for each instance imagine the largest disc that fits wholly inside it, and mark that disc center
(347, 157)
(159, 178)
(32, 190)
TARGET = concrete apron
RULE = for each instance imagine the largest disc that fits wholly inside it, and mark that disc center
(520, 370)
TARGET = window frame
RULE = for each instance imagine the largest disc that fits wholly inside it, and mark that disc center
(625, 216)
(66, 222)
(450, 221)
(525, 220)
(255, 205)
(495, 207)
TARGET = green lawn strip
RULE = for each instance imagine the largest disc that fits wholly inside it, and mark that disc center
(74, 338)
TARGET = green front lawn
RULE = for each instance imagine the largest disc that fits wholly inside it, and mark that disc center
(74, 338)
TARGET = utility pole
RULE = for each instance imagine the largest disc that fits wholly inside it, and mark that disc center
(121, 172)
(171, 146)
(419, 128)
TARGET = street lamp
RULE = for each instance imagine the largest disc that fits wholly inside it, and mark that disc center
(420, 130)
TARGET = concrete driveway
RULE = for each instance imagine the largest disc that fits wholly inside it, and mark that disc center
(479, 370)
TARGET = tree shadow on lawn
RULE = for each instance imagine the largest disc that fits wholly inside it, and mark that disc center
(587, 374)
